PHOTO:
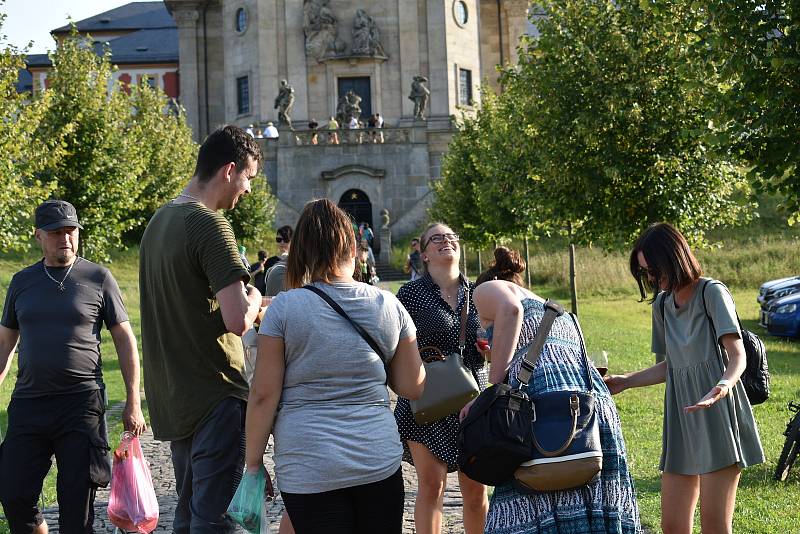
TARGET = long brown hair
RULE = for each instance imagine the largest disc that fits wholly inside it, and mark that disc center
(323, 239)
(507, 265)
(667, 255)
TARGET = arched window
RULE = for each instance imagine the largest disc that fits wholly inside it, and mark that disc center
(241, 20)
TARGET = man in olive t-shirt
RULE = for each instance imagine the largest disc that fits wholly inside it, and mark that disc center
(195, 304)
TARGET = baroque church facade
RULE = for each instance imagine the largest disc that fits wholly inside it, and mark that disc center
(418, 63)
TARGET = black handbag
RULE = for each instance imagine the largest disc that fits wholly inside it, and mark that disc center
(548, 442)
(755, 377)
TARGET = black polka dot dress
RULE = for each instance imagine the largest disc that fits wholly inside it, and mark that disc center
(438, 325)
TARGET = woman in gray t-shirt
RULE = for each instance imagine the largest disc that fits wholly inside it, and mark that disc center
(709, 431)
(320, 388)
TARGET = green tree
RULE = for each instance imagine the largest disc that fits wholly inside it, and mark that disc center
(122, 151)
(485, 151)
(165, 146)
(755, 47)
(600, 130)
(617, 105)
(23, 155)
(254, 215)
(101, 164)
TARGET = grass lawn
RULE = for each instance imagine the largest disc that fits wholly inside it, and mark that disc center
(617, 324)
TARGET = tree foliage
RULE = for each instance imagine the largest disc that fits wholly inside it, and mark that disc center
(168, 153)
(24, 155)
(124, 151)
(755, 47)
(254, 215)
(483, 175)
(600, 130)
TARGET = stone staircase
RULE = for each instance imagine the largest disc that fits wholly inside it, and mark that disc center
(387, 273)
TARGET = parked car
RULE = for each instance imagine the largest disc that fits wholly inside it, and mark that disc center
(775, 289)
(781, 317)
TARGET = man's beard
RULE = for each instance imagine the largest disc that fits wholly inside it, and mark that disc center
(64, 257)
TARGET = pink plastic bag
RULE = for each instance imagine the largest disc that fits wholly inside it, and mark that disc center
(132, 505)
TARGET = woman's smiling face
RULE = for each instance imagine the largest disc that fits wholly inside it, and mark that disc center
(440, 245)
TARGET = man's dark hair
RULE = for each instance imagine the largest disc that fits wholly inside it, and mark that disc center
(285, 232)
(262, 255)
(227, 144)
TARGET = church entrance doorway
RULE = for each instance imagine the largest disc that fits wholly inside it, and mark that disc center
(361, 87)
(356, 203)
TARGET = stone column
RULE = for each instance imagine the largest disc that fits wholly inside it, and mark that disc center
(189, 68)
(516, 12)
(296, 71)
(439, 69)
(408, 24)
(268, 60)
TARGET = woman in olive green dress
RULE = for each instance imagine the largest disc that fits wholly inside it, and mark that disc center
(709, 431)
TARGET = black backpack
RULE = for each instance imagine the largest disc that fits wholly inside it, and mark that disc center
(755, 377)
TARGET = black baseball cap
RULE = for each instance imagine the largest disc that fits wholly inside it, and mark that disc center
(55, 214)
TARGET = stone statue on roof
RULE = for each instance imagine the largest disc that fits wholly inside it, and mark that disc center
(419, 95)
(284, 102)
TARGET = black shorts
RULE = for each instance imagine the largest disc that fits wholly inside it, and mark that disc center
(71, 427)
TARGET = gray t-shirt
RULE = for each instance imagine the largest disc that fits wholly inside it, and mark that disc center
(59, 348)
(334, 428)
(274, 277)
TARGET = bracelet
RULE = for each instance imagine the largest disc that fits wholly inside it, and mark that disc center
(723, 382)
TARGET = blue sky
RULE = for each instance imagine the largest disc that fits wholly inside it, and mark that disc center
(32, 20)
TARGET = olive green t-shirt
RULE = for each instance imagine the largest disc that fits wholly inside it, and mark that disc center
(191, 362)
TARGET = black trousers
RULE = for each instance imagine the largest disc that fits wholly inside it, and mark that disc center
(73, 428)
(366, 509)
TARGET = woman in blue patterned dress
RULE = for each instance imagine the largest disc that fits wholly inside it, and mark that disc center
(511, 315)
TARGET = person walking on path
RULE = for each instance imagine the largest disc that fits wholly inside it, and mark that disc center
(194, 307)
(56, 309)
(435, 302)
(320, 388)
(414, 261)
(511, 316)
(709, 430)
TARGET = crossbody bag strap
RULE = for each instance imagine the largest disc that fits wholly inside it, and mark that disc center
(584, 355)
(338, 309)
(552, 309)
(462, 333)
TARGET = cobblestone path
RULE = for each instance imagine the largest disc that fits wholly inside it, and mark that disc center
(157, 454)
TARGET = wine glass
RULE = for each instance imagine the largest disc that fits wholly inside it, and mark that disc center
(600, 361)
(482, 340)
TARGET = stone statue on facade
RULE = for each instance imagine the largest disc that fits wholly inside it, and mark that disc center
(284, 102)
(384, 218)
(349, 106)
(366, 36)
(419, 95)
(320, 30)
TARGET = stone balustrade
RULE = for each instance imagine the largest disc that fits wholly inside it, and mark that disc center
(357, 136)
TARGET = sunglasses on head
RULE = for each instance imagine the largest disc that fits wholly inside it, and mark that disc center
(438, 239)
(279, 239)
(647, 272)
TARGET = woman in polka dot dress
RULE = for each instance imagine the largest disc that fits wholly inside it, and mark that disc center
(434, 302)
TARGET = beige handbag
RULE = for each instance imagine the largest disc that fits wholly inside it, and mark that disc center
(449, 384)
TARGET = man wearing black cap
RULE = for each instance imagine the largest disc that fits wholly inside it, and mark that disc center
(55, 309)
